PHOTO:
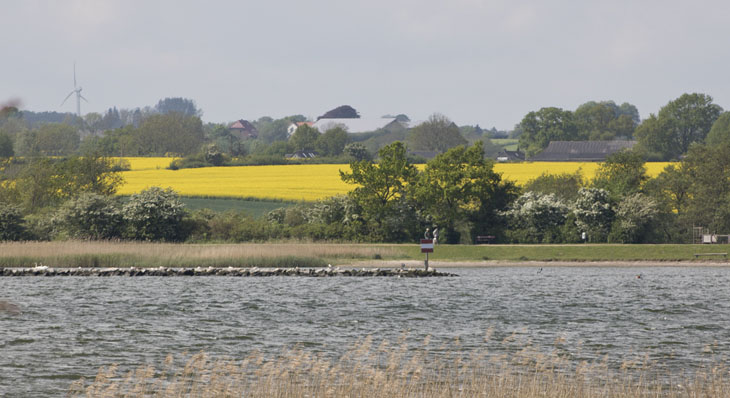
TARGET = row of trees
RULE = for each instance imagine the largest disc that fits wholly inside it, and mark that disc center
(667, 135)
(392, 201)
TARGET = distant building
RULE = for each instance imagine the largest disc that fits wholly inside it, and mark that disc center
(510, 156)
(359, 125)
(294, 126)
(243, 129)
(581, 151)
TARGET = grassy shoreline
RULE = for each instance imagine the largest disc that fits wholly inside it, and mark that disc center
(290, 254)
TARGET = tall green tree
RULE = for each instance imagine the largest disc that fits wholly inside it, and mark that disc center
(6, 145)
(52, 139)
(545, 125)
(305, 138)
(382, 192)
(183, 106)
(680, 123)
(605, 120)
(720, 132)
(438, 134)
(708, 169)
(332, 142)
(171, 133)
(459, 189)
(622, 174)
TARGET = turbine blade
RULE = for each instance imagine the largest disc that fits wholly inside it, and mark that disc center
(64, 100)
(74, 74)
(82, 97)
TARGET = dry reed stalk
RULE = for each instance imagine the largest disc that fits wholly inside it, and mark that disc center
(43, 250)
(384, 370)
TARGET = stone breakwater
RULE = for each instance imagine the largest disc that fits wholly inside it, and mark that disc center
(213, 271)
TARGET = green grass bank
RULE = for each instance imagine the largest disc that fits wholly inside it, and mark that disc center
(302, 254)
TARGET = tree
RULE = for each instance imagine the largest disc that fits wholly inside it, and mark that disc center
(154, 214)
(564, 186)
(547, 124)
(341, 112)
(226, 140)
(172, 133)
(622, 174)
(53, 139)
(538, 217)
(594, 213)
(635, 216)
(720, 132)
(304, 138)
(332, 142)
(6, 145)
(605, 120)
(438, 134)
(357, 151)
(274, 130)
(92, 173)
(11, 223)
(381, 192)
(90, 216)
(179, 105)
(708, 170)
(459, 189)
(45, 182)
(681, 122)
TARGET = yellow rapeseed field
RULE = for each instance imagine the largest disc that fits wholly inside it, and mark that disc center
(139, 163)
(299, 182)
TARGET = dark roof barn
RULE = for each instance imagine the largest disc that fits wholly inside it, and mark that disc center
(581, 151)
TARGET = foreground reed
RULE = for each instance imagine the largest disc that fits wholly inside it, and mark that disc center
(369, 370)
(141, 254)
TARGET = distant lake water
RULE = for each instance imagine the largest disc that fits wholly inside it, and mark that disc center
(71, 326)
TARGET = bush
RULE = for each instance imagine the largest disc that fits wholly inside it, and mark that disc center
(155, 214)
(11, 223)
(90, 216)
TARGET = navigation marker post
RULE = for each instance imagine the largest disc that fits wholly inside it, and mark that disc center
(426, 247)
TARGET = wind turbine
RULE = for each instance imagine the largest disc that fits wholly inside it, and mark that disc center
(79, 97)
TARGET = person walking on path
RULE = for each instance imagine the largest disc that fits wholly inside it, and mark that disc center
(427, 235)
(435, 235)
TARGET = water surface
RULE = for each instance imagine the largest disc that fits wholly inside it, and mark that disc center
(70, 326)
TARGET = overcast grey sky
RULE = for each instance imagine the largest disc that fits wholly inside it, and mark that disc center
(475, 61)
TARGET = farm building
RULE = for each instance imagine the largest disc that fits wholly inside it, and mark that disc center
(581, 151)
(510, 156)
(359, 125)
(243, 129)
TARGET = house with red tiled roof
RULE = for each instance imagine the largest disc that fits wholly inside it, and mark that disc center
(243, 129)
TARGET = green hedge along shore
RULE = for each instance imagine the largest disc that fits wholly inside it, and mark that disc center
(105, 254)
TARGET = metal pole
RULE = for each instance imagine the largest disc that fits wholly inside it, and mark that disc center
(426, 263)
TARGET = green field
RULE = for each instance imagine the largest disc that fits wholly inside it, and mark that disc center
(586, 252)
(287, 254)
(254, 208)
(509, 144)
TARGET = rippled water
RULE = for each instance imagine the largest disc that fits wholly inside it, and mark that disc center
(70, 326)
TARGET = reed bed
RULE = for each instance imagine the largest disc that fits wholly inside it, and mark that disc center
(381, 370)
(141, 254)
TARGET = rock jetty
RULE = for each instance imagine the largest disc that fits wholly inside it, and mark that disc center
(230, 271)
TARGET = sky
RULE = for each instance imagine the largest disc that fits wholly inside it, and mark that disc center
(486, 62)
